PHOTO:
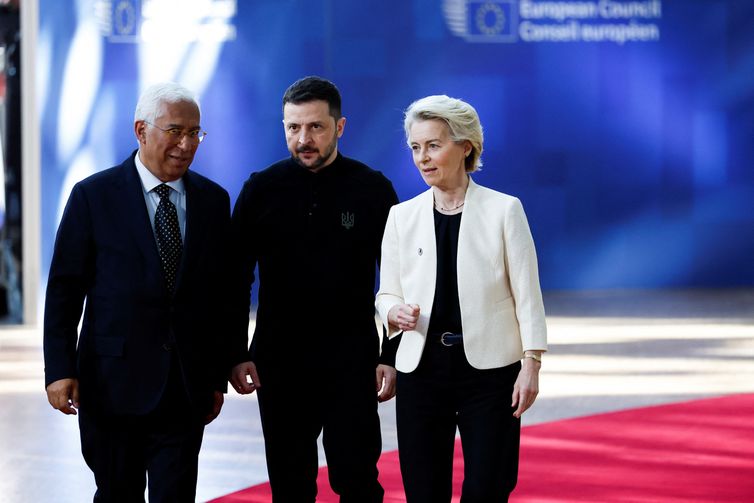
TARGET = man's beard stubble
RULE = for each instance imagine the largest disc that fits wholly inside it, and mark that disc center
(320, 160)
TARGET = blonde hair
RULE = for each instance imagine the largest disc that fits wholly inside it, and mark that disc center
(461, 118)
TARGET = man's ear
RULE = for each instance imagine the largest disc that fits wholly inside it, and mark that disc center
(340, 125)
(140, 132)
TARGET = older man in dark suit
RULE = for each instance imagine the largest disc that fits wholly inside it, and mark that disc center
(144, 243)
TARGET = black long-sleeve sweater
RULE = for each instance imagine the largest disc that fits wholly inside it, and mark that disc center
(315, 238)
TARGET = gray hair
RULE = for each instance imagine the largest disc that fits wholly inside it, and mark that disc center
(461, 118)
(156, 95)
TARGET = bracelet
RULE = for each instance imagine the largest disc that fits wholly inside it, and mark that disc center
(533, 356)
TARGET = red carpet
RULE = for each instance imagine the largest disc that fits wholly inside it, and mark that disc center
(700, 451)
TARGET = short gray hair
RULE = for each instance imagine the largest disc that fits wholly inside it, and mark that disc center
(461, 118)
(157, 94)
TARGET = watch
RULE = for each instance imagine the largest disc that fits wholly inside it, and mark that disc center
(533, 356)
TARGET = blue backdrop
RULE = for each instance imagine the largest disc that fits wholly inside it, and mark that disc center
(626, 128)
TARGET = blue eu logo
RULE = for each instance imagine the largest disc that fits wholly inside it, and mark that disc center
(488, 18)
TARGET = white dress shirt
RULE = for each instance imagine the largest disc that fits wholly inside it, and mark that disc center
(177, 195)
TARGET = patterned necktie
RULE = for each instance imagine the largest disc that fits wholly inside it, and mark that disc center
(168, 232)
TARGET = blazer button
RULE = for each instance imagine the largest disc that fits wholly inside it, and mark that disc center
(167, 347)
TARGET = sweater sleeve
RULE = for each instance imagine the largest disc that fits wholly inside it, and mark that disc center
(243, 237)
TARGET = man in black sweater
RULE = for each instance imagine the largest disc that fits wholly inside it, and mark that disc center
(313, 225)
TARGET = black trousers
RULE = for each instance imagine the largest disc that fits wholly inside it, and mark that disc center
(341, 403)
(163, 445)
(443, 393)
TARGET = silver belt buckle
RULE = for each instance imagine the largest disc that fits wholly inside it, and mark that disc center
(442, 339)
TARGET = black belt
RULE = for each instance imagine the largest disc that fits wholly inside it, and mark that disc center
(447, 338)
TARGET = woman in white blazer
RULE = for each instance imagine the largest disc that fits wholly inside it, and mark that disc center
(459, 279)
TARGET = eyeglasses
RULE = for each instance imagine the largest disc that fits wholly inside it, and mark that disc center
(177, 134)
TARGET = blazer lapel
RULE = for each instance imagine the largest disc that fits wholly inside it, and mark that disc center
(194, 226)
(471, 230)
(136, 215)
(426, 275)
(468, 221)
(426, 225)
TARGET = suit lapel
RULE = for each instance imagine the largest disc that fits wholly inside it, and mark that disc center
(135, 213)
(194, 224)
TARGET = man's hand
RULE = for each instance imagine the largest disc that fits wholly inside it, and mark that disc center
(244, 378)
(217, 405)
(386, 376)
(63, 395)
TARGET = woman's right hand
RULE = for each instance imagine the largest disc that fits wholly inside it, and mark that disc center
(403, 316)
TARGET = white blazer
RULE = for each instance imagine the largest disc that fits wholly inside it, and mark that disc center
(502, 313)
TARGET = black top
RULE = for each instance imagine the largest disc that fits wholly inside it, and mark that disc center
(316, 239)
(446, 309)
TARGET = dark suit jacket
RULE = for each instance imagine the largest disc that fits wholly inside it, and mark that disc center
(106, 253)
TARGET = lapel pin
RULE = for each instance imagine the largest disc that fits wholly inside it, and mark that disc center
(420, 252)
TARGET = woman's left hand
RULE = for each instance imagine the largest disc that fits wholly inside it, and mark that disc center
(526, 389)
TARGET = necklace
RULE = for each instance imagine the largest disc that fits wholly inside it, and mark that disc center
(449, 209)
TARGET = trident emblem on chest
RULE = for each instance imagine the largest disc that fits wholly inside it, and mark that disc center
(346, 220)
